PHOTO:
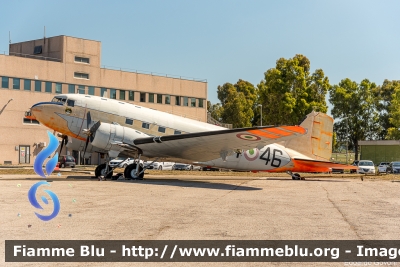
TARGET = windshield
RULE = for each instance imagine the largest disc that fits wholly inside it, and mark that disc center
(58, 99)
(365, 163)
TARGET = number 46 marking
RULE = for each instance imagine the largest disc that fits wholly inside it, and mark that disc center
(276, 162)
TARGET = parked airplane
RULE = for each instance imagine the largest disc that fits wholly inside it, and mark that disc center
(114, 127)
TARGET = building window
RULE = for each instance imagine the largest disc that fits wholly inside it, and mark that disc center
(167, 99)
(151, 98)
(159, 99)
(38, 86)
(58, 88)
(122, 94)
(82, 59)
(177, 132)
(81, 75)
(113, 94)
(37, 50)
(27, 85)
(71, 89)
(81, 89)
(131, 96)
(145, 125)
(129, 121)
(193, 102)
(29, 121)
(161, 129)
(16, 83)
(47, 87)
(91, 90)
(4, 82)
(185, 101)
(177, 100)
(103, 91)
(201, 103)
(142, 97)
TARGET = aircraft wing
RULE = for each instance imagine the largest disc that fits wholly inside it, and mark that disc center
(204, 146)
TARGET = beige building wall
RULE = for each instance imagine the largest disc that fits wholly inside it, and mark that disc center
(56, 64)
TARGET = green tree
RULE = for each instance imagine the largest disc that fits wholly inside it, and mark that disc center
(237, 102)
(355, 107)
(288, 92)
(214, 110)
(384, 95)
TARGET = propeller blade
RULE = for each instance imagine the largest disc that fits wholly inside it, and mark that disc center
(89, 119)
(84, 152)
(94, 128)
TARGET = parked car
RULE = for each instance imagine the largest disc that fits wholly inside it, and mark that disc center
(366, 167)
(66, 161)
(186, 167)
(382, 167)
(162, 165)
(120, 162)
(393, 167)
(355, 163)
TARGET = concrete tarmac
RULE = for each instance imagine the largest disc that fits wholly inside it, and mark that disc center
(202, 208)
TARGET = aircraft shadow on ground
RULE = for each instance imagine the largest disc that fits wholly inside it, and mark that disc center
(166, 182)
(308, 180)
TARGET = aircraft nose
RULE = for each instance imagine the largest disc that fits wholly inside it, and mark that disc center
(38, 109)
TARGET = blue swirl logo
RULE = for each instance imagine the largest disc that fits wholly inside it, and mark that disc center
(50, 166)
(35, 203)
(44, 154)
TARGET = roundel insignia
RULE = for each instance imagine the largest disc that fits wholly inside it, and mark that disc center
(248, 137)
(252, 154)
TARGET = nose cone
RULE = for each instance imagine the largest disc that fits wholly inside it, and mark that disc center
(43, 111)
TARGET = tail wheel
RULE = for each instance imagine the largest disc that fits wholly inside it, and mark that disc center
(130, 172)
(101, 171)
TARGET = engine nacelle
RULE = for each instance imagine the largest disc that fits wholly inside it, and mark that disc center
(108, 133)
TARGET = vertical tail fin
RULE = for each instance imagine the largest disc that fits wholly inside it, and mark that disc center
(317, 143)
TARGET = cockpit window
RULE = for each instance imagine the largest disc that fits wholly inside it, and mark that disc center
(58, 99)
(70, 103)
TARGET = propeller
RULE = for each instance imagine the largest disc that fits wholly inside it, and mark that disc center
(89, 132)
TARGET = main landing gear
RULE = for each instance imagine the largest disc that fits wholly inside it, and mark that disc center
(134, 171)
(295, 176)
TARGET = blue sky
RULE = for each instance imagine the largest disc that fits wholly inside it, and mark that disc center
(222, 41)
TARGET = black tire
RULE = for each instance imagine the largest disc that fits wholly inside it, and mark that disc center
(130, 172)
(160, 168)
(101, 169)
(296, 176)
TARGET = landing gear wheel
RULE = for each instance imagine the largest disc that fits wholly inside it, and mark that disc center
(130, 172)
(101, 171)
(296, 176)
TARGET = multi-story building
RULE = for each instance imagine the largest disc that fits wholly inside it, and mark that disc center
(35, 71)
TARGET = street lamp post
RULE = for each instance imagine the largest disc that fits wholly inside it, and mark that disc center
(261, 113)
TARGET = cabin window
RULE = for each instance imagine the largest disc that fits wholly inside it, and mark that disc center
(177, 132)
(145, 125)
(129, 121)
(70, 103)
(161, 129)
